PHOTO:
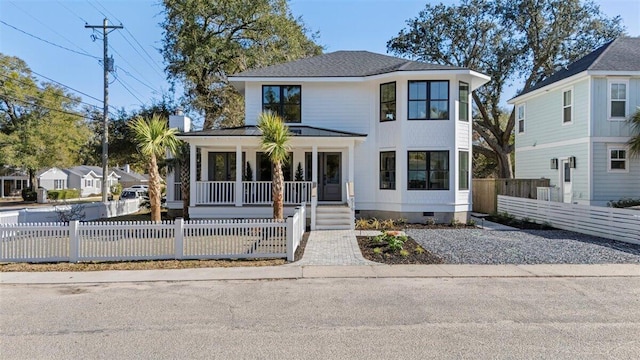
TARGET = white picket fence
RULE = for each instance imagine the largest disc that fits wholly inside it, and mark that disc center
(122, 241)
(609, 223)
(91, 211)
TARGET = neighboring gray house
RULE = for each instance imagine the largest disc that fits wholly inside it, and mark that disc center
(572, 128)
(89, 179)
(53, 178)
(128, 177)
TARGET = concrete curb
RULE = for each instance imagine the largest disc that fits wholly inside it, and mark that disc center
(324, 272)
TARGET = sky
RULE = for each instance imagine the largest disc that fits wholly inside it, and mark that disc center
(50, 36)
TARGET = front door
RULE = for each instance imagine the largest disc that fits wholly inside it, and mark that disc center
(566, 182)
(330, 176)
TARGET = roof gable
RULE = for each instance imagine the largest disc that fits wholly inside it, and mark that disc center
(343, 64)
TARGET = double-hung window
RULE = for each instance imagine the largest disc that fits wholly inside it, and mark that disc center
(618, 99)
(567, 106)
(388, 101)
(284, 100)
(387, 170)
(617, 159)
(58, 184)
(428, 170)
(463, 174)
(463, 101)
(428, 100)
(520, 118)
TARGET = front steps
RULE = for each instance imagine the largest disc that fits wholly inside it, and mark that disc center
(334, 217)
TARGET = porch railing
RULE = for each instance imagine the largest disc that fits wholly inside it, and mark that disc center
(177, 191)
(253, 192)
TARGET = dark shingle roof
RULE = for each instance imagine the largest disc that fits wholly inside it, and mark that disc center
(343, 64)
(621, 54)
(252, 130)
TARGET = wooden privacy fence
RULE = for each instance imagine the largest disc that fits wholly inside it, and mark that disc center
(121, 241)
(609, 223)
(485, 191)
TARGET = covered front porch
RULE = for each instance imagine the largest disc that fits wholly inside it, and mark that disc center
(229, 172)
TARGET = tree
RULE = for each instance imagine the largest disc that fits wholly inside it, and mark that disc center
(206, 40)
(154, 138)
(39, 124)
(181, 163)
(509, 40)
(275, 143)
(634, 142)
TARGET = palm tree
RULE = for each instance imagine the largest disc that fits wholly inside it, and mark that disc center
(275, 142)
(634, 142)
(154, 138)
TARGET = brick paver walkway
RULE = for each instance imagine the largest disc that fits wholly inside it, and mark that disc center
(333, 247)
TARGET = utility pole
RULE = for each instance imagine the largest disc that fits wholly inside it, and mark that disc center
(107, 65)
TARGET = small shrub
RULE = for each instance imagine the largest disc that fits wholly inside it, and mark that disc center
(471, 222)
(404, 253)
(431, 221)
(455, 223)
(394, 239)
(624, 203)
(29, 195)
(374, 224)
(419, 250)
(388, 224)
(377, 251)
(362, 224)
(401, 221)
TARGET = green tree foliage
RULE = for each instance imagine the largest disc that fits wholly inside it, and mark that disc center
(207, 40)
(39, 124)
(634, 142)
(275, 142)
(509, 40)
(154, 138)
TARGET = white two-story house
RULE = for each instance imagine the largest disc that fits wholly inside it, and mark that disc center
(572, 127)
(391, 134)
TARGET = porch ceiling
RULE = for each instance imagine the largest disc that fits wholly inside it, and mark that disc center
(253, 131)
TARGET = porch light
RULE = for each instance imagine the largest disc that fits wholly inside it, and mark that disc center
(554, 164)
(572, 162)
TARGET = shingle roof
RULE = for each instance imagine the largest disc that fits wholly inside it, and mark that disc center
(621, 54)
(252, 130)
(343, 64)
(83, 170)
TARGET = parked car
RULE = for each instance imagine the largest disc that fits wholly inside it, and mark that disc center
(131, 193)
(139, 187)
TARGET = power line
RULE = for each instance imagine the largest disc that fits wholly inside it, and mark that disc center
(73, 12)
(66, 86)
(49, 42)
(63, 95)
(128, 63)
(129, 91)
(138, 80)
(151, 65)
(46, 107)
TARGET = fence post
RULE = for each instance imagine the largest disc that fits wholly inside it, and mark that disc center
(178, 234)
(74, 241)
(290, 235)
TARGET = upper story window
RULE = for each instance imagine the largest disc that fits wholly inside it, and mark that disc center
(428, 100)
(618, 99)
(428, 170)
(617, 159)
(567, 106)
(387, 170)
(463, 96)
(388, 101)
(284, 100)
(520, 118)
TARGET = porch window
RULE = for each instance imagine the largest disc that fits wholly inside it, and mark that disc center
(222, 166)
(428, 100)
(58, 184)
(387, 170)
(618, 99)
(463, 101)
(388, 101)
(567, 106)
(428, 170)
(617, 160)
(520, 118)
(264, 168)
(284, 100)
(308, 166)
(463, 170)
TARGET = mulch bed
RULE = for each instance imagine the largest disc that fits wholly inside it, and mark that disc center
(416, 254)
(522, 225)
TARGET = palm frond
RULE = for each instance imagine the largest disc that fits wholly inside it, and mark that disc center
(634, 142)
(275, 136)
(154, 136)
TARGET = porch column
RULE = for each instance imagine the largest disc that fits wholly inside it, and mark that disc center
(192, 175)
(1, 188)
(239, 167)
(314, 164)
(351, 159)
(204, 165)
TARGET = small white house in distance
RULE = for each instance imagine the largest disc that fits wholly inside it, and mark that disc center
(398, 131)
(12, 181)
(571, 128)
(53, 178)
(89, 179)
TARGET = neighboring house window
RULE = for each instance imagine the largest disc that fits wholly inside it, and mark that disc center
(428, 100)
(520, 118)
(88, 183)
(428, 170)
(388, 170)
(618, 99)
(463, 168)
(284, 100)
(618, 160)
(463, 96)
(388, 101)
(567, 106)
(58, 184)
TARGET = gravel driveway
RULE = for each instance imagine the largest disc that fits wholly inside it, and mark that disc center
(478, 246)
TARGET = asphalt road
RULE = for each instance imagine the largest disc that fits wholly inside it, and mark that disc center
(391, 318)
